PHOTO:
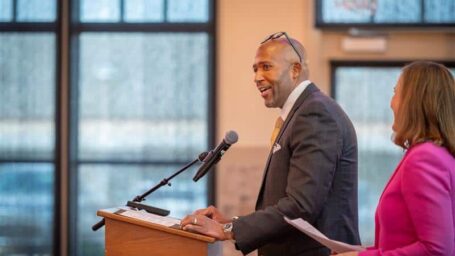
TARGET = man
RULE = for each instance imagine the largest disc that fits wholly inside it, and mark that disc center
(311, 172)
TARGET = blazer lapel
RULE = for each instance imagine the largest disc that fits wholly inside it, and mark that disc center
(311, 88)
(393, 175)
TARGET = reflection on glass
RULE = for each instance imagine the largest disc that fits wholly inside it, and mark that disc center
(143, 96)
(26, 209)
(36, 10)
(28, 94)
(6, 10)
(188, 10)
(144, 10)
(100, 10)
(372, 117)
(106, 186)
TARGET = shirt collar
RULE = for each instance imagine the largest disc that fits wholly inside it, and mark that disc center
(292, 98)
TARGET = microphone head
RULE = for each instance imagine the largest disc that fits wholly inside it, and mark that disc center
(231, 137)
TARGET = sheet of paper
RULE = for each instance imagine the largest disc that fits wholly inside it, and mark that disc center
(149, 217)
(335, 246)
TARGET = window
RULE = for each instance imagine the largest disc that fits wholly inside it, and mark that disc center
(385, 13)
(372, 84)
(29, 213)
(140, 109)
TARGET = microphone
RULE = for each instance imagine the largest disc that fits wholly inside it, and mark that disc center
(215, 155)
(202, 156)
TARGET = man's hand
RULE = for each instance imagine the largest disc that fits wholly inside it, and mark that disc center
(206, 226)
(213, 214)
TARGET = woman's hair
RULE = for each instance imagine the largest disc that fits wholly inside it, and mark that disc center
(427, 106)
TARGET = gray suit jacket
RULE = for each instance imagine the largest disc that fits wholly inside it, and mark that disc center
(311, 175)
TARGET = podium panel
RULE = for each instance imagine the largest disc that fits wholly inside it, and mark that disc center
(131, 236)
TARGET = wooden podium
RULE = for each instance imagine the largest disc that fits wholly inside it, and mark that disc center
(134, 236)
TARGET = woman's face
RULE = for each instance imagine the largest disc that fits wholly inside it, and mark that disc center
(395, 102)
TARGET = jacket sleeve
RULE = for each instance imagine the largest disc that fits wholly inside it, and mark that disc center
(314, 146)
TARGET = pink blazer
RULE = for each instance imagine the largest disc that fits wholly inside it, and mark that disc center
(416, 212)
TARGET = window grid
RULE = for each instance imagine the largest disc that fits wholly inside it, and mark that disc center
(40, 171)
(75, 28)
(81, 167)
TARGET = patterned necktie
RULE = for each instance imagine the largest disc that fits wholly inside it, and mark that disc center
(278, 124)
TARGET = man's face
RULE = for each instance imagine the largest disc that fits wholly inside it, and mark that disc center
(273, 75)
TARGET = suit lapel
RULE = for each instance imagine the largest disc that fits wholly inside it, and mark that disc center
(311, 88)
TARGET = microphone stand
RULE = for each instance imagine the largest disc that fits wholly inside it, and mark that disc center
(136, 201)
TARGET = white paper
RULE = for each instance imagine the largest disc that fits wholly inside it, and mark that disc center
(334, 246)
(149, 217)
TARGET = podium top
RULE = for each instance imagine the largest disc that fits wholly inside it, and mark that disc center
(111, 213)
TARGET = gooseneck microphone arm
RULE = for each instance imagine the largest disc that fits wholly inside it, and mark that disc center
(165, 181)
(214, 156)
(136, 201)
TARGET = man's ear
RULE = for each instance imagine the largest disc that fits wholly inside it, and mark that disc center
(296, 70)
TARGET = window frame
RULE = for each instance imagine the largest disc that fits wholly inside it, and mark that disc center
(319, 22)
(75, 28)
(54, 27)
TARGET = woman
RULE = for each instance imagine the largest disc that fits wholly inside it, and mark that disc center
(416, 212)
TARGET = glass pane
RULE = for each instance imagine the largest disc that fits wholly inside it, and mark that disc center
(403, 11)
(188, 10)
(334, 11)
(27, 81)
(6, 10)
(372, 118)
(144, 10)
(106, 186)
(26, 209)
(143, 96)
(440, 11)
(100, 10)
(383, 11)
(36, 10)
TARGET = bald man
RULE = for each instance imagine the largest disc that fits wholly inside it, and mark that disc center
(311, 172)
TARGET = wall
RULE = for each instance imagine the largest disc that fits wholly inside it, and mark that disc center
(242, 25)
